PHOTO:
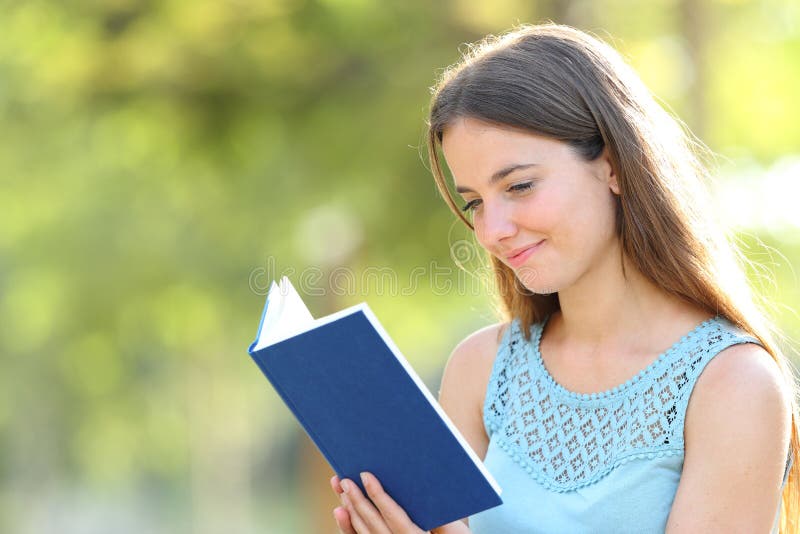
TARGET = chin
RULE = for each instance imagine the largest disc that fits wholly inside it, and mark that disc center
(540, 291)
(534, 283)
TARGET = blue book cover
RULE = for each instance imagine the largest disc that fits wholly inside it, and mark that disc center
(366, 409)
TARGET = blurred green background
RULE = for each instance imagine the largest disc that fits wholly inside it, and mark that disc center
(162, 161)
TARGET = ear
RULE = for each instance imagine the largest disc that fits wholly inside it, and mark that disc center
(608, 172)
(613, 184)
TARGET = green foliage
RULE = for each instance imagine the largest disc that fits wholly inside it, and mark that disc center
(156, 154)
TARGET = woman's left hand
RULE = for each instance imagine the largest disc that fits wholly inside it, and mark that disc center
(358, 515)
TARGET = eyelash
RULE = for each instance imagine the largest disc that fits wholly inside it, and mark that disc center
(518, 188)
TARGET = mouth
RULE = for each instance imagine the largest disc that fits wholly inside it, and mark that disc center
(518, 257)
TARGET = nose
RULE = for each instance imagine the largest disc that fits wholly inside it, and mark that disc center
(494, 223)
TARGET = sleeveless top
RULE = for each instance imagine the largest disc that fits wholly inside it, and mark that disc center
(591, 463)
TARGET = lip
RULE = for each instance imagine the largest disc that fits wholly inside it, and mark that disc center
(517, 257)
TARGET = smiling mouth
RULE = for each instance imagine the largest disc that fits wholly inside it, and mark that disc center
(519, 258)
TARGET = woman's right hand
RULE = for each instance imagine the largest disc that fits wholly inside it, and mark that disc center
(360, 516)
(379, 514)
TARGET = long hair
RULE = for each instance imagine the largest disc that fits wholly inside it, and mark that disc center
(559, 82)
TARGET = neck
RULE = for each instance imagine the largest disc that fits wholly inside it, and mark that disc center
(608, 308)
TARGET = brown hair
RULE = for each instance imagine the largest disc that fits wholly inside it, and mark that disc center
(559, 82)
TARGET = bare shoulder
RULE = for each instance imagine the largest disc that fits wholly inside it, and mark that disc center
(740, 406)
(743, 371)
(470, 363)
(466, 376)
(741, 379)
(479, 348)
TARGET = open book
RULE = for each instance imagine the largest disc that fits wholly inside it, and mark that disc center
(366, 409)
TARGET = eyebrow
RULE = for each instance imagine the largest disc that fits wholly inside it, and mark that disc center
(499, 175)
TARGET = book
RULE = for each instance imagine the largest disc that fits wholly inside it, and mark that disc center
(366, 409)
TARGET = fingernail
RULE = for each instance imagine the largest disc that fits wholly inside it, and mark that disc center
(364, 477)
(345, 485)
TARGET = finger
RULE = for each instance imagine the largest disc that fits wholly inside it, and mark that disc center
(356, 521)
(363, 514)
(337, 487)
(342, 517)
(393, 514)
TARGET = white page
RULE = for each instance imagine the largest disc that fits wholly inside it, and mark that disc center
(286, 315)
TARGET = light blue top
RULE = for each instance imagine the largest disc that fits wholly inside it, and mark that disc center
(591, 463)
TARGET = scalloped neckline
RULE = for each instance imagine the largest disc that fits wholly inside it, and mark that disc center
(620, 388)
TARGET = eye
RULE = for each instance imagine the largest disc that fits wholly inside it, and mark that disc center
(516, 188)
(470, 206)
(521, 187)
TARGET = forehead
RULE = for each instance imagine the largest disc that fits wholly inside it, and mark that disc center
(466, 128)
(472, 146)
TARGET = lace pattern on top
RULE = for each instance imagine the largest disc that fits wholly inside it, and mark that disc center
(567, 440)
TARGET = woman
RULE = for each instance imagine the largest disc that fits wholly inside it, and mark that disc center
(633, 385)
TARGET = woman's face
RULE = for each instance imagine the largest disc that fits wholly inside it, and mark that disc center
(535, 204)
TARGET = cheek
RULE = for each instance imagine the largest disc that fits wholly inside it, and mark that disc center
(595, 220)
(605, 209)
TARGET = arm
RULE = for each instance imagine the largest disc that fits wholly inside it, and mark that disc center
(456, 527)
(463, 387)
(737, 433)
(464, 382)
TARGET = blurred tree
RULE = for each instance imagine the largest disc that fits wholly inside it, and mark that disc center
(157, 156)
